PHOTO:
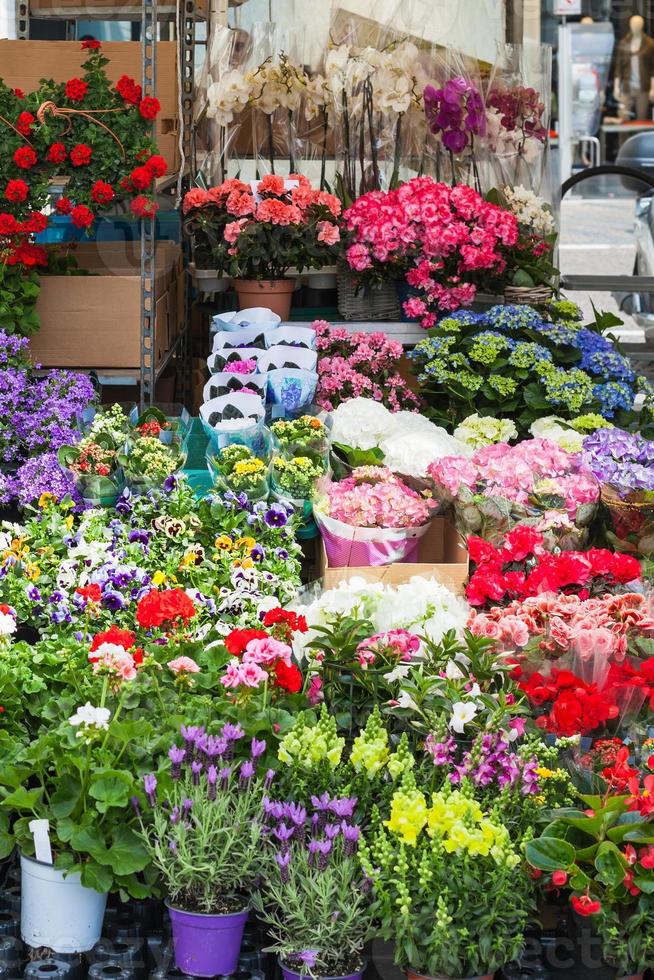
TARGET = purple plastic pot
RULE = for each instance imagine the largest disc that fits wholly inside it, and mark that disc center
(289, 974)
(207, 945)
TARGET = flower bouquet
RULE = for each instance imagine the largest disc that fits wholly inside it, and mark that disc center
(535, 483)
(623, 462)
(371, 518)
(237, 469)
(95, 465)
(149, 461)
(295, 436)
(294, 477)
(167, 424)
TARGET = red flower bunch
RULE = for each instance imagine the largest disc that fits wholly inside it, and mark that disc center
(57, 153)
(27, 254)
(17, 190)
(81, 216)
(90, 44)
(283, 623)
(143, 207)
(76, 89)
(167, 608)
(120, 637)
(149, 107)
(128, 90)
(25, 157)
(265, 653)
(522, 567)
(80, 155)
(24, 123)
(102, 193)
(619, 773)
(91, 593)
(288, 677)
(237, 640)
(574, 707)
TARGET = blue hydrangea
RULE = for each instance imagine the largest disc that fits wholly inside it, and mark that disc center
(513, 318)
(612, 396)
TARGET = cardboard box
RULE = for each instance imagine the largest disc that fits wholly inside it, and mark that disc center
(94, 321)
(24, 63)
(442, 554)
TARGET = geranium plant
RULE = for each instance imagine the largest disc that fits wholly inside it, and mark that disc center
(262, 236)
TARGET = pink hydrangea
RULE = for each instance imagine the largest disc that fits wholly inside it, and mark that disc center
(374, 497)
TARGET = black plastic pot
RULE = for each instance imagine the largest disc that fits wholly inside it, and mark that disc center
(9, 923)
(27, 634)
(109, 971)
(12, 953)
(52, 969)
(159, 950)
(129, 954)
(169, 973)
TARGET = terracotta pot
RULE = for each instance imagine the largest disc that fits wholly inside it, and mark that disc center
(441, 976)
(274, 294)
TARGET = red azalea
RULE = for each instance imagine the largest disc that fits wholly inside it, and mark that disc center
(24, 123)
(25, 157)
(34, 224)
(64, 205)
(102, 193)
(81, 216)
(584, 905)
(80, 155)
(143, 207)
(157, 165)
(149, 107)
(8, 224)
(122, 638)
(286, 617)
(90, 44)
(157, 608)
(236, 641)
(141, 178)
(128, 89)
(521, 542)
(57, 153)
(28, 255)
(76, 89)
(288, 678)
(92, 593)
(487, 584)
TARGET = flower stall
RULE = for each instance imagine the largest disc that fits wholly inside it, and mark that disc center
(340, 666)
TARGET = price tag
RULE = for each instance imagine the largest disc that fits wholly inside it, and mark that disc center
(40, 830)
(567, 8)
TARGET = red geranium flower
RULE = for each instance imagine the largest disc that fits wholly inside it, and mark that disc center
(287, 618)
(24, 123)
(76, 89)
(80, 155)
(157, 608)
(64, 205)
(149, 107)
(288, 678)
(122, 638)
(8, 224)
(92, 593)
(143, 207)
(157, 165)
(25, 157)
(18, 92)
(102, 193)
(34, 224)
(57, 153)
(90, 44)
(584, 905)
(128, 89)
(141, 178)
(81, 216)
(237, 640)
(28, 255)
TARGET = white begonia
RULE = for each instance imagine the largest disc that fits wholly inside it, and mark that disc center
(228, 96)
(88, 716)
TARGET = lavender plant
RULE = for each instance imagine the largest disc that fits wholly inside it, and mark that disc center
(204, 832)
(313, 897)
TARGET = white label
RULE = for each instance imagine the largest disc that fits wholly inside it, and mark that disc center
(40, 830)
(567, 8)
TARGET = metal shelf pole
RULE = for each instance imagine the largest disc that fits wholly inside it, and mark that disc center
(148, 225)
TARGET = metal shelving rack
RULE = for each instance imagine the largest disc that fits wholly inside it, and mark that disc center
(185, 24)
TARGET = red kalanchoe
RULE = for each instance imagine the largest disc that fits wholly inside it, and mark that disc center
(17, 190)
(64, 205)
(584, 905)
(158, 608)
(143, 207)
(236, 641)
(80, 155)
(81, 216)
(90, 44)
(92, 593)
(76, 89)
(24, 123)
(149, 107)
(102, 193)
(25, 157)
(288, 678)
(128, 89)
(8, 224)
(57, 153)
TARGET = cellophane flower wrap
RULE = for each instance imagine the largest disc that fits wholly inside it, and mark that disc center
(623, 462)
(371, 518)
(535, 483)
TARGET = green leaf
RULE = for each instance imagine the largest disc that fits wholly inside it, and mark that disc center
(127, 853)
(23, 799)
(550, 854)
(95, 876)
(111, 787)
(610, 864)
(66, 796)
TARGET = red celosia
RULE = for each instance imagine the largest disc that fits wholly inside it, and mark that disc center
(76, 89)
(168, 607)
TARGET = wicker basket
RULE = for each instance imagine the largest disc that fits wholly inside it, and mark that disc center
(630, 524)
(368, 302)
(530, 295)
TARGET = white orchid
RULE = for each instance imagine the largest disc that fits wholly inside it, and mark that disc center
(228, 96)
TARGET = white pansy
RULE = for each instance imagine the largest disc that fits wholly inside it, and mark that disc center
(462, 713)
(88, 716)
(7, 624)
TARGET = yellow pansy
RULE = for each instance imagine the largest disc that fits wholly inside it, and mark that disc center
(69, 521)
(46, 499)
(158, 578)
(245, 543)
(242, 563)
(224, 543)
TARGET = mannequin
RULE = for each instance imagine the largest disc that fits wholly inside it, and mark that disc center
(633, 86)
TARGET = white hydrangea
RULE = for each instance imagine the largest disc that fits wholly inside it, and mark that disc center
(556, 430)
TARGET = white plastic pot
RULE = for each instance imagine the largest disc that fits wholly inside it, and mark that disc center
(58, 912)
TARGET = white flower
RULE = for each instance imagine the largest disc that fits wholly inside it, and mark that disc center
(89, 717)
(7, 624)
(479, 431)
(404, 700)
(462, 713)
(556, 430)
(453, 672)
(228, 96)
(397, 673)
(530, 210)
